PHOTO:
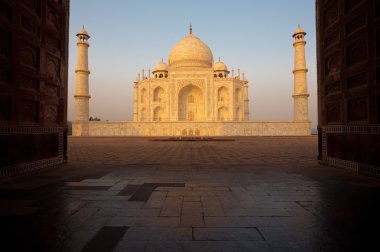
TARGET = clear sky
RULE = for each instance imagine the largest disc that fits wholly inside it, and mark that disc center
(253, 35)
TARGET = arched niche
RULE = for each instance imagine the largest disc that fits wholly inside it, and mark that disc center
(158, 94)
(223, 94)
(158, 114)
(223, 114)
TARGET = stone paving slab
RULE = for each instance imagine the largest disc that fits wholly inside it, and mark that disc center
(251, 194)
(156, 199)
(131, 246)
(227, 234)
(159, 234)
(106, 239)
(145, 221)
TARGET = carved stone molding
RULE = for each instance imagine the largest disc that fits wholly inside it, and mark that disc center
(30, 55)
(196, 82)
(349, 139)
(34, 135)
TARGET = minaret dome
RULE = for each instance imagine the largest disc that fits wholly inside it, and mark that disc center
(161, 70)
(220, 69)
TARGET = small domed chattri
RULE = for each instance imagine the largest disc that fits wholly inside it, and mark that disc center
(161, 66)
(220, 66)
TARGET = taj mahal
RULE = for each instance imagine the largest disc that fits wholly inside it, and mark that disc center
(191, 88)
(191, 95)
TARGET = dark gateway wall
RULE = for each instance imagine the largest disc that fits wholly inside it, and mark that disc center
(33, 84)
(348, 48)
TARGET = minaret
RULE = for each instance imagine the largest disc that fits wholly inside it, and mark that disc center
(300, 82)
(82, 95)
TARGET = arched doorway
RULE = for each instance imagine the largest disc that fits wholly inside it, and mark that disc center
(191, 104)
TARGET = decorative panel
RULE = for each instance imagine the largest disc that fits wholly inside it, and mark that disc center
(5, 108)
(5, 76)
(357, 110)
(53, 42)
(28, 147)
(5, 43)
(53, 18)
(350, 4)
(378, 107)
(33, 5)
(28, 82)
(53, 69)
(30, 26)
(29, 55)
(332, 88)
(333, 113)
(331, 39)
(330, 15)
(349, 147)
(332, 68)
(356, 52)
(377, 42)
(5, 11)
(51, 113)
(357, 80)
(52, 90)
(356, 23)
(28, 111)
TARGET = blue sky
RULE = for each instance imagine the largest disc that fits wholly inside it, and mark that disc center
(253, 35)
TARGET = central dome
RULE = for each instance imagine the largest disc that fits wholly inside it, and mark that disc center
(190, 52)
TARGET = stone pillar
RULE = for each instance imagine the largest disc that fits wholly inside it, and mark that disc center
(82, 95)
(300, 82)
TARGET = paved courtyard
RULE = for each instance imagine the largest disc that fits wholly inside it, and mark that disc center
(244, 194)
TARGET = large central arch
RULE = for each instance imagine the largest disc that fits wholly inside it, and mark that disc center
(191, 104)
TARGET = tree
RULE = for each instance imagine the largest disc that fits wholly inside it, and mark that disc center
(94, 119)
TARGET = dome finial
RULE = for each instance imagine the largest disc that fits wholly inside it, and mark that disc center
(191, 29)
(219, 59)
